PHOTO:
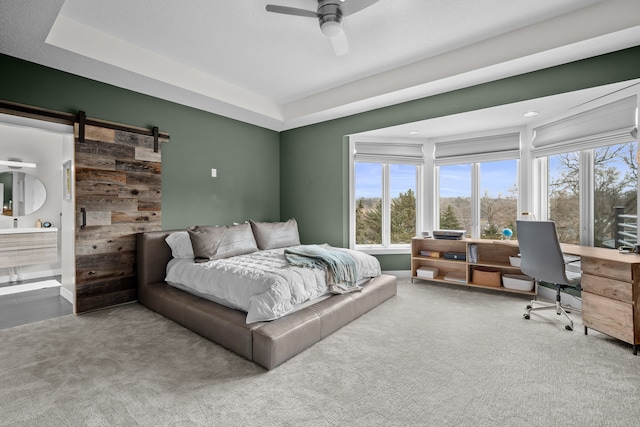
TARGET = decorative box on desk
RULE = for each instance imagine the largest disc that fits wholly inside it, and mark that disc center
(425, 272)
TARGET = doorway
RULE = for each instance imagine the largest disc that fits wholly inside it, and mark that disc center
(38, 290)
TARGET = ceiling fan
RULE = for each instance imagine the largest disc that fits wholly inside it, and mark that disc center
(329, 14)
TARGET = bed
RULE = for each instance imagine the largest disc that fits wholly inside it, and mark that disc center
(268, 341)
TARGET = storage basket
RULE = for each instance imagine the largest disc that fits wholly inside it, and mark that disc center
(486, 276)
(519, 282)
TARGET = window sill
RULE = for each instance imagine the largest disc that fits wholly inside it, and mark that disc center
(384, 251)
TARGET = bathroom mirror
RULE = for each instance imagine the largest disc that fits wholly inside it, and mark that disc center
(22, 193)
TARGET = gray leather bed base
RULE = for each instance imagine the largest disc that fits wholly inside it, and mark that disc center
(266, 343)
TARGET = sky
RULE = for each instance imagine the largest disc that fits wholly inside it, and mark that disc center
(369, 179)
(455, 180)
(498, 178)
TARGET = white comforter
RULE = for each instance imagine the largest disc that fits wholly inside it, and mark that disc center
(261, 283)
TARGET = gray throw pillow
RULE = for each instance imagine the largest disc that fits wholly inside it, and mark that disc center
(180, 244)
(273, 235)
(205, 241)
(211, 242)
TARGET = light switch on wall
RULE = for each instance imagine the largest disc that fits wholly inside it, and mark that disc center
(214, 173)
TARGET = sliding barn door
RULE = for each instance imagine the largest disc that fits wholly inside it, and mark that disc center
(117, 195)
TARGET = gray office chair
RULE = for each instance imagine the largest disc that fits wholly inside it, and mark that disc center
(543, 260)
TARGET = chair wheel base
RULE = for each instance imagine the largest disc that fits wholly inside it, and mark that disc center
(568, 327)
(526, 316)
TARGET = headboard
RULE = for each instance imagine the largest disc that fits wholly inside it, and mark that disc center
(153, 255)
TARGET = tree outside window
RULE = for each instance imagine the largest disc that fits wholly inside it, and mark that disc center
(498, 198)
(614, 195)
(455, 197)
(372, 209)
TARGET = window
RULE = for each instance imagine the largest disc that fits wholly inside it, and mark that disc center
(385, 195)
(589, 163)
(604, 178)
(368, 203)
(455, 197)
(402, 209)
(579, 171)
(498, 198)
(478, 183)
(494, 206)
(615, 195)
(563, 196)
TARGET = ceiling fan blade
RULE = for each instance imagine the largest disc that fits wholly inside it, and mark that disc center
(291, 11)
(340, 44)
(349, 7)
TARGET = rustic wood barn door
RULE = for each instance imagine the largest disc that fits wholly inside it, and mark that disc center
(117, 195)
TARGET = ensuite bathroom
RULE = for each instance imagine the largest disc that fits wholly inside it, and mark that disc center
(37, 268)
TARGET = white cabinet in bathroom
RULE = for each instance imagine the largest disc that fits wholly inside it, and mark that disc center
(28, 246)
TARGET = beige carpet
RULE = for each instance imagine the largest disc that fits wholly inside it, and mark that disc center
(433, 355)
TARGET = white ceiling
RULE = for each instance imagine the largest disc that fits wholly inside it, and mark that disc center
(233, 58)
(509, 116)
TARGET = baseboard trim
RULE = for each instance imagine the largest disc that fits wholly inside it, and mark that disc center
(33, 275)
(66, 294)
(401, 274)
(544, 293)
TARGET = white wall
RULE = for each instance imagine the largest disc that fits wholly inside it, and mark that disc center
(67, 229)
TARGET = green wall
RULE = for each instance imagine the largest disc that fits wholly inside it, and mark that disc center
(263, 175)
(314, 159)
(246, 157)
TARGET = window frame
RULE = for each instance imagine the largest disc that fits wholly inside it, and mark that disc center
(586, 191)
(476, 171)
(474, 149)
(565, 133)
(537, 138)
(386, 247)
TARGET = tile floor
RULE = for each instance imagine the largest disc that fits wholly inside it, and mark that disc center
(32, 306)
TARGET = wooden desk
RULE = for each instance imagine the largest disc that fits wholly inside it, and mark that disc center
(610, 292)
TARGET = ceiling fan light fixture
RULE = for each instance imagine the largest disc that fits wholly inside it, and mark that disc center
(329, 15)
(331, 28)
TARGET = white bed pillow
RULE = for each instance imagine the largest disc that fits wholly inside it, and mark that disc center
(180, 244)
(274, 235)
(211, 243)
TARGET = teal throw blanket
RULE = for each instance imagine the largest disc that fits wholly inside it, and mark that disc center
(341, 268)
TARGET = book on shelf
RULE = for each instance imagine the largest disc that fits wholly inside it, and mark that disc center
(473, 253)
(457, 256)
(431, 254)
(454, 276)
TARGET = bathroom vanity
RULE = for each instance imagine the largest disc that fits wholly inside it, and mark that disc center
(28, 246)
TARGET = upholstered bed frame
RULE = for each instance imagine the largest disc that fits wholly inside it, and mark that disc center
(266, 343)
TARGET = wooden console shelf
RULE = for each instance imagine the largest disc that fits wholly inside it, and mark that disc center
(493, 254)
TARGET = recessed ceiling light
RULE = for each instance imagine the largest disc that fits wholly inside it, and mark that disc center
(414, 132)
(531, 114)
